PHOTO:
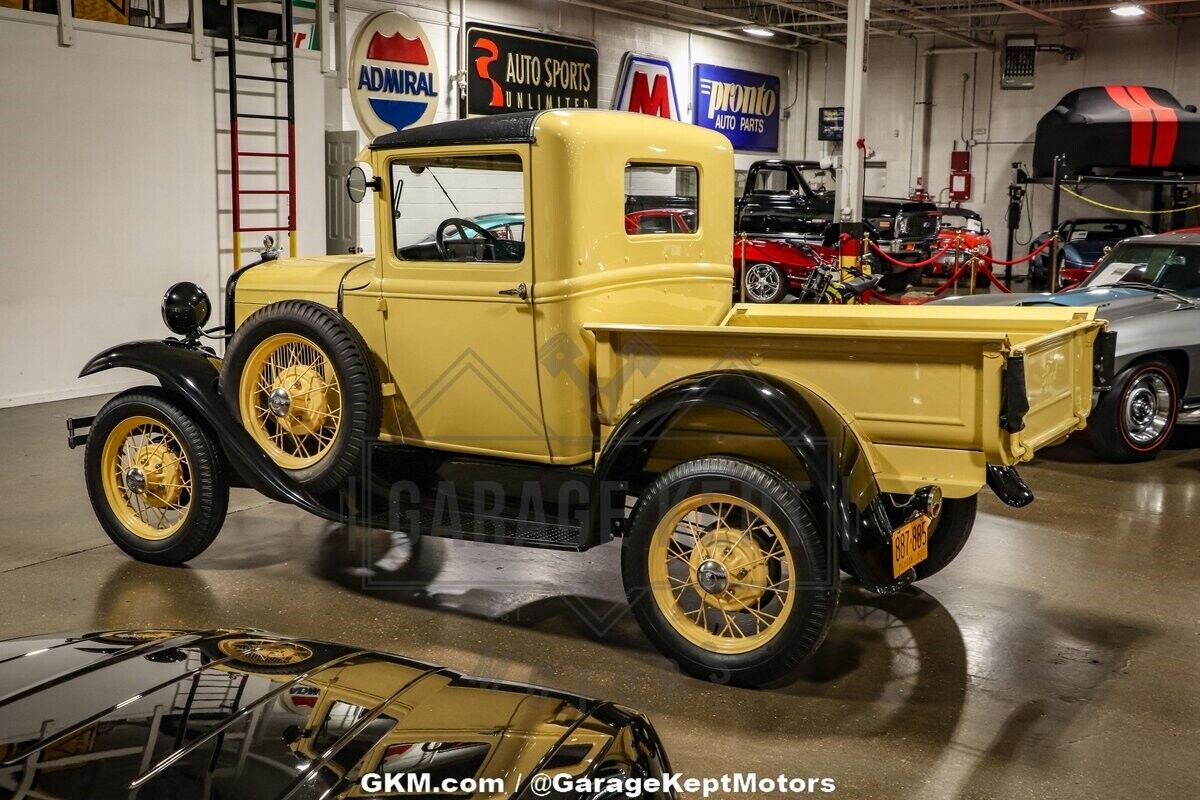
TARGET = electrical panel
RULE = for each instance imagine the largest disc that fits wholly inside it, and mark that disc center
(1020, 53)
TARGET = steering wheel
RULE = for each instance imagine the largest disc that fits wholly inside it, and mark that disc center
(462, 226)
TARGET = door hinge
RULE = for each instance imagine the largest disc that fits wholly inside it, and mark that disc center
(381, 306)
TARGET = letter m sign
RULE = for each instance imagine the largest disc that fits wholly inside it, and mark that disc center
(645, 85)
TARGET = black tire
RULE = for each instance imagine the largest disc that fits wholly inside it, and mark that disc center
(948, 534)
(815, 585)
(773, 287)
(1115, 433)
(352, 363)
(207, 499)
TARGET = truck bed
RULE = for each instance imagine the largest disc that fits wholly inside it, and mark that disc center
(927, 389)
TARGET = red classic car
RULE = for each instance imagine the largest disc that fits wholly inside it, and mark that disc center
(773, 266)
(958, 222)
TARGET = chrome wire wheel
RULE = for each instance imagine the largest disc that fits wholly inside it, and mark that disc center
(1146, 412)
(265, 652)
(763, 283)
(146, 477)
(721, 573)
(290, 400)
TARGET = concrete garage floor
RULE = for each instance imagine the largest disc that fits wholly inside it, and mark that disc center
(1058, 656)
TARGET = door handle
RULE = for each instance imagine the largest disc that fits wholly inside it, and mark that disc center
(521, 291)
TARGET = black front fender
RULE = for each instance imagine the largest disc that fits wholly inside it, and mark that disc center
(816, 434)
(192, 375)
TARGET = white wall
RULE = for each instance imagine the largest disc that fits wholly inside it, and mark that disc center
(115, 167)
(1002, 122)
(110, 192)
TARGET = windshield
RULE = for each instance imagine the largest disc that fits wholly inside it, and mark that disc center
(1105, 230)
(1165, 266)
(958, 221)
(477, 203)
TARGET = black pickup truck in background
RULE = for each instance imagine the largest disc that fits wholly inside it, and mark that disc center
(790, 199)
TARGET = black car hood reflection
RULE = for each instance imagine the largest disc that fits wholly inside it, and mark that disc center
(246, 714)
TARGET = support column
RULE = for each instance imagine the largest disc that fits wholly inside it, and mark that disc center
(849, 199)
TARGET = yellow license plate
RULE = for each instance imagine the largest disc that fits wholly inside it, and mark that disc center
(910, 545)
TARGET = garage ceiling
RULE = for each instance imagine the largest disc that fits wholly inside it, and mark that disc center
(972, 22)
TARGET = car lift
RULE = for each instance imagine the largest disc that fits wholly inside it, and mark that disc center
(236, 154)
(1172, 197)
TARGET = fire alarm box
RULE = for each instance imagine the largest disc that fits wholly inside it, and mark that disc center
(960, 175)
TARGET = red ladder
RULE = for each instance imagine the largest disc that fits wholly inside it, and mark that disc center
(236, 153)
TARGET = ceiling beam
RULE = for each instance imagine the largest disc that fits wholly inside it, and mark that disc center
(930, 27)
(1032, 12)
(681, 26)
(717, 15)
(823, 15)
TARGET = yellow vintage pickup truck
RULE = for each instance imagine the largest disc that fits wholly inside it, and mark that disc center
(523, 361)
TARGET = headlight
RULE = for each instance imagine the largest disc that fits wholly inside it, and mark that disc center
(185, 308)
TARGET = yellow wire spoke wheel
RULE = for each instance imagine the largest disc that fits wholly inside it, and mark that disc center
(721, 573)
(290, 400)
(146, 477)
(265, 652)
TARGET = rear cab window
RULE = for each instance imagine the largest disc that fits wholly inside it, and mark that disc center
(661, 199)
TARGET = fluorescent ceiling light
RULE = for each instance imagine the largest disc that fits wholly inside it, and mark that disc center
(758, 30)
(1128, 10)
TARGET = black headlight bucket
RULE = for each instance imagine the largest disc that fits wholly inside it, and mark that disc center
(186, 308)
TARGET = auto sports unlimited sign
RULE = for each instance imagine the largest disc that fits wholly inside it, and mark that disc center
(646, 85)
(741, 104)
(509, 69)
(393, 74)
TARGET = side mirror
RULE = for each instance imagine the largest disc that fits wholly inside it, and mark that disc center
(987, 231)
(357, 184)
(1191, 109)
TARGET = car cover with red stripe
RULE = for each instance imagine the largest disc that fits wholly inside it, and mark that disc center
(1127, 128)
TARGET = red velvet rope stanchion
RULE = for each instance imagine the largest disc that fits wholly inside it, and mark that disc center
(1032, 254)
(911, 264)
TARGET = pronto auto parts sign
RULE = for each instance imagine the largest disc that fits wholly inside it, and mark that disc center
(393, 74)
(509, 69)
(646, 85)
(741, 104)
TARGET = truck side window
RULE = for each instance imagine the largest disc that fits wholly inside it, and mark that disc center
(459, 208)
(661, 198)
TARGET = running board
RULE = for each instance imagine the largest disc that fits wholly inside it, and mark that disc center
(1189, 415)
(494, 529)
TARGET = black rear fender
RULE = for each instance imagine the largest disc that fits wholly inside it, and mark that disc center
(839, 482)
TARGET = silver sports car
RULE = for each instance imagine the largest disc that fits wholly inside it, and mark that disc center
(1148, 288)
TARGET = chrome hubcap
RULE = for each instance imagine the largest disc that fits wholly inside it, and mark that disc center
(762, 281)
(1147, 408)
(135, 480)
(712, 577)
(280, 402)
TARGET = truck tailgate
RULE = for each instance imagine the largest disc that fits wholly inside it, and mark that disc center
(995, 384)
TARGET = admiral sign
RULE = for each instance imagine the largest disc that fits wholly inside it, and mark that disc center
(393, 74)
(741, 104)
(646, 85)
(509, 69)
